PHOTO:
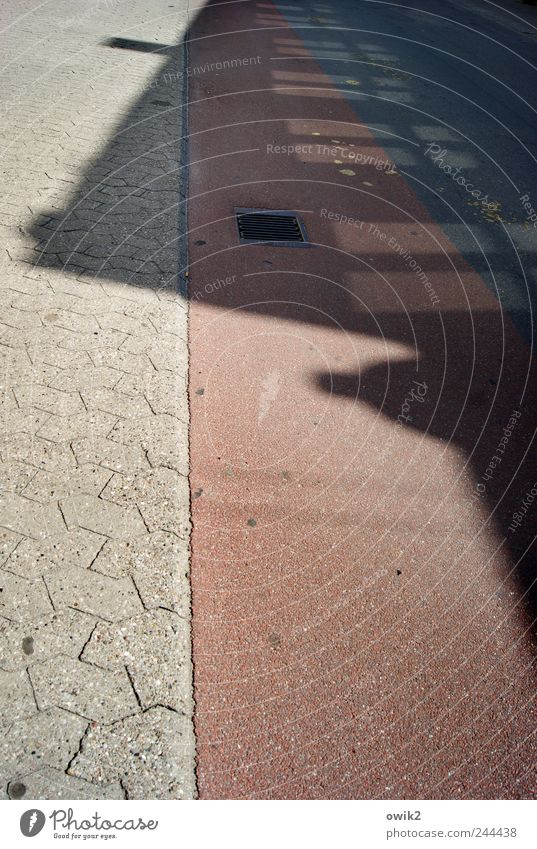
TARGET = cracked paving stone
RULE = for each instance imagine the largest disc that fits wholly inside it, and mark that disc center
(16, 421)
(38, 452)
(48, 783)
(121, 360)
(164, 438)
(150, 753)
(164, 351)
(60, 358)
(88, 378)
(16, 696)
(51, 400)
(116, 403)
(102, 517)
(8, 543)
(49, 738)
(65, 429)
(22, 600)
(15, 476)
(23, 516)
(64, 633)
(127, 459)
(94, 693)
(94, 593)
(136, 324)
(33, 558)
(153, 647)
(162, 390)
(85, 480)
(158, 563)
(161, 496)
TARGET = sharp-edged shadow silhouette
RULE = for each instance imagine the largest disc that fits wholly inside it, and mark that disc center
(480, 375)
(478, 409)
(125, 222)
(125, 219)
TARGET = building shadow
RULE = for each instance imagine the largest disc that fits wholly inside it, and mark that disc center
(125, 221)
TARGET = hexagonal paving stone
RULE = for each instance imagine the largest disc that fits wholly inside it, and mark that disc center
(92, 592)
(51, 400)
(62, 633)
(83, 689)
(102, 517)
(49, 486)
(161, 496)
(127, 459)
(67, 428)
(112, 401)
(49, 738)
(158, 563)
(33, 558)
(164, 438)
(22, 600)
(15, 475)
(155, 649)
(8, 543)
(23, 516)
(16, 697)
(50, 783)
(150, 753)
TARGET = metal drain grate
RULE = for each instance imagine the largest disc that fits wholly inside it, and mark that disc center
(271, 227)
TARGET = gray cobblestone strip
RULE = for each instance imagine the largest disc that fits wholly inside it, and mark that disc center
(95, 667)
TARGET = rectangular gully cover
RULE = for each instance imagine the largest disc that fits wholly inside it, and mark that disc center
(279, 227)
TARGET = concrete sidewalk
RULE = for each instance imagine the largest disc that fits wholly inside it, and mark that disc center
(95, 680)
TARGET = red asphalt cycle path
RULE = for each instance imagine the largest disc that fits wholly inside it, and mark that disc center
(360, 626)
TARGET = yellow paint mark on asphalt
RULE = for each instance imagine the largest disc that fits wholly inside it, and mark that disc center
(490, 210)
